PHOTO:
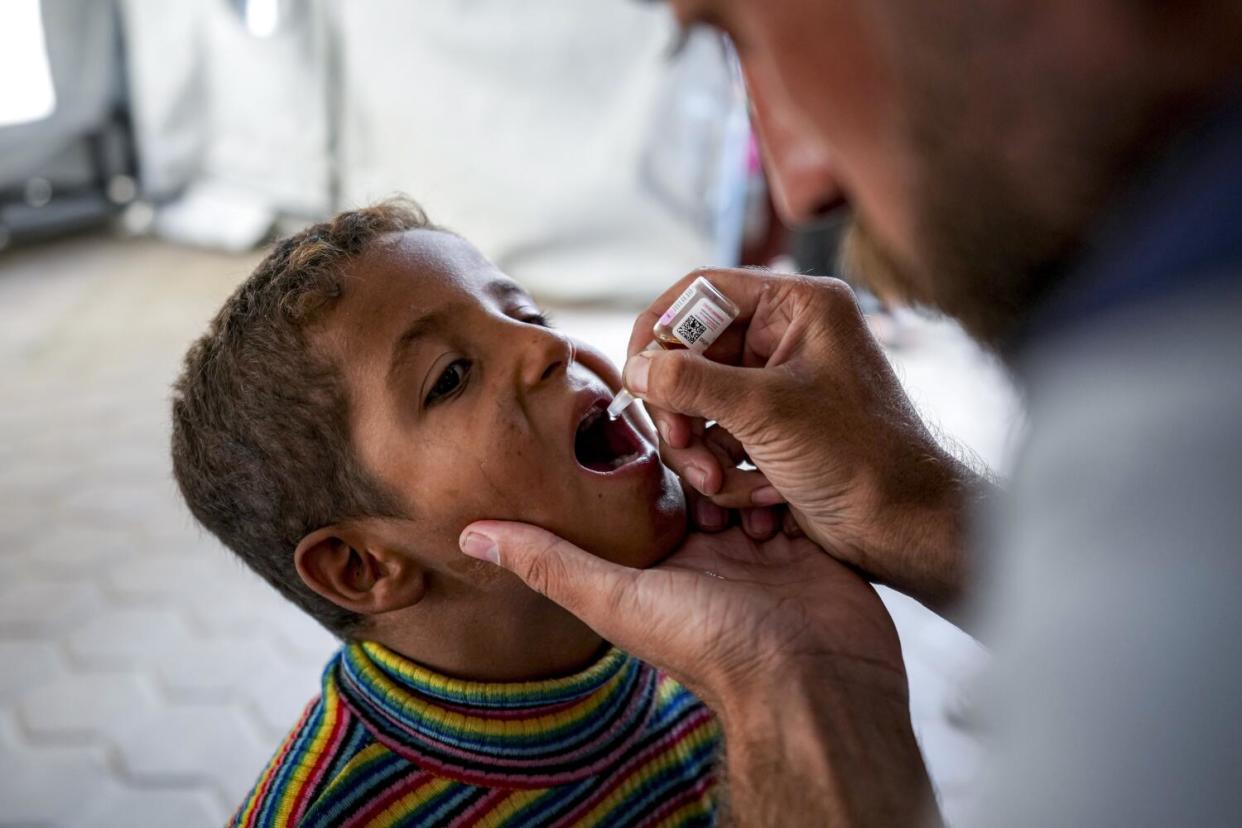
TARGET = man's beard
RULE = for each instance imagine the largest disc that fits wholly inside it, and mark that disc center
(986, 257)
(989, 285)
(1011, 181)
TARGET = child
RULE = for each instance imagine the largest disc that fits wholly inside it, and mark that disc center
(372, 388)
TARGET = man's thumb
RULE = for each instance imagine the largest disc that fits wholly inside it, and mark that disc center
(586, 585)
(691, 384)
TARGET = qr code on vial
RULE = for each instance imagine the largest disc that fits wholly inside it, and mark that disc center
(691, 329)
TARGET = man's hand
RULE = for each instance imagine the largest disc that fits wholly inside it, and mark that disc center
(799, 387)
(794, 652)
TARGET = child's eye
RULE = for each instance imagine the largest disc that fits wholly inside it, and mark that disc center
(539, 318)
(449, 381)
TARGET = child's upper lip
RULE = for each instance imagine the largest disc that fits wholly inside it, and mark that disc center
(586, 401)
(593, 401)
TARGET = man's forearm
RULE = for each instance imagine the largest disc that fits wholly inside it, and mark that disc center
(821, 752)
(925, 550)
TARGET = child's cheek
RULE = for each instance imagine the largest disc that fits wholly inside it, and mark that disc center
(505, 481)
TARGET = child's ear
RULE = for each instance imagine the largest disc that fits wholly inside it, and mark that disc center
(357, 566)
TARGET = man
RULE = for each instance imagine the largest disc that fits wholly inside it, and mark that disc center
(1065, 178)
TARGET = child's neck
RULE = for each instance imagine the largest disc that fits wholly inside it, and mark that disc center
(491, 641)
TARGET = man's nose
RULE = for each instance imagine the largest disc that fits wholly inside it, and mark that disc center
(545, 354)
(803, 187)
(798, 164)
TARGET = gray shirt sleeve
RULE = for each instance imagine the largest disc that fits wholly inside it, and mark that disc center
(1114, 600)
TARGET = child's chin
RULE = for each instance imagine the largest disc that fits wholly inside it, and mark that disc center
(650, 530)
(668, 524)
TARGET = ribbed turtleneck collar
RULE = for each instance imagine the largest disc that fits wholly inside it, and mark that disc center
(516, 734)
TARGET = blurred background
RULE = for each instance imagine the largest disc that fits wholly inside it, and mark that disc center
(149, 150)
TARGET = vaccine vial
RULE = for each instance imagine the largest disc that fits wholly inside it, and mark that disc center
(693, 322)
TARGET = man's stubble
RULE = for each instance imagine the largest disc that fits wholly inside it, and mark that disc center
(1016, 164)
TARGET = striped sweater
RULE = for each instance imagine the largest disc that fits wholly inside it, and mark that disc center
(391, 743)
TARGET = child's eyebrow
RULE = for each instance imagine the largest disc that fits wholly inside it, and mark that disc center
(435, 320)
(506, 288)
(417, 329)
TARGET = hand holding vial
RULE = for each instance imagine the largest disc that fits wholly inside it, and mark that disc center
(798, 386)
(694, 321)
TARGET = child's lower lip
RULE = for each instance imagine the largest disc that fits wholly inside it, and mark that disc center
(638, 457)
(642, 462)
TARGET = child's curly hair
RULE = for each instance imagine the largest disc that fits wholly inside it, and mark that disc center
(260, 441)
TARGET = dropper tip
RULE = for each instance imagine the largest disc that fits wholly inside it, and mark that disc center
(619, 403)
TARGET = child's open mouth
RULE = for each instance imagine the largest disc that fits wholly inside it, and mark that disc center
(605, 445)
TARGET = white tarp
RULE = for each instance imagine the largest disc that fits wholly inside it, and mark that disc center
(23, 54)
(557, 135)
(211, 101)
(527, 127)
(78, 39)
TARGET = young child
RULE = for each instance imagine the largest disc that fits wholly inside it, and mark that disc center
(372, 388)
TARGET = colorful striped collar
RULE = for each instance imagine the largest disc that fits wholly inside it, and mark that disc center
(519, 734)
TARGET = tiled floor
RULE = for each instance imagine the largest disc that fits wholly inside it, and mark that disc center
(147, 675)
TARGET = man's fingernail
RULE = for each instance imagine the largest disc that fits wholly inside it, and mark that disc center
(761, 521)
(697, 478)
(662, 427)
(480, 546)
(709, 515)
(766, 496)
(636, 370)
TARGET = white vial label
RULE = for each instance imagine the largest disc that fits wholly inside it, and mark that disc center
(685, 297)
(699, 328)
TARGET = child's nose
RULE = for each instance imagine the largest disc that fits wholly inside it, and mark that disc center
(547, 355)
